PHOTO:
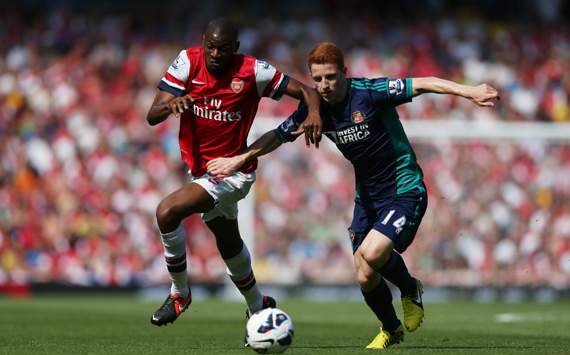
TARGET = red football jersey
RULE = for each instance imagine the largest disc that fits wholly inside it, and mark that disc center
(224, 106)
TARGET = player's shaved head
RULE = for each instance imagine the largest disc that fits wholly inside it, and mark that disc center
(220, 44)
(221, 28)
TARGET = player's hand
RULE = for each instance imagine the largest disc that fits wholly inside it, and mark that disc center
(180, 104)
(484, 95)
(313, 127)
(221, 167)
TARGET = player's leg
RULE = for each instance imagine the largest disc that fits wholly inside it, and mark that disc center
(238, 262)
(379, 298)
(375, 291)
(377, 252)
(170, 212)
(396, 228)
(222, 221)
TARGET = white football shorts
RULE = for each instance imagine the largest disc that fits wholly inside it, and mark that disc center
(226, 193)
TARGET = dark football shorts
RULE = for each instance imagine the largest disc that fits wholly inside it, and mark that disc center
(398, 219)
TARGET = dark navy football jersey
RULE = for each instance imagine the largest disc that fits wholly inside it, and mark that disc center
(366, 128)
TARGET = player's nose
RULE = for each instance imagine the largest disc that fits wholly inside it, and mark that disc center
(215, 53)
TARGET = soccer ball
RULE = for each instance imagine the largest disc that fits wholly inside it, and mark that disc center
(269, 331)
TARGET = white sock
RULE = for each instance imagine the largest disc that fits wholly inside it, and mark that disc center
(239, 270)
(175, 254)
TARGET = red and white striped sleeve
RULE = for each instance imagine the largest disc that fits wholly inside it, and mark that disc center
(175, 78)
(270, 81)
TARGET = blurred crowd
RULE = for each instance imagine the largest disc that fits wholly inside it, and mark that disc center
(81, 172)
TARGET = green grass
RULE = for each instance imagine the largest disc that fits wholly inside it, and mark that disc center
(120, 325)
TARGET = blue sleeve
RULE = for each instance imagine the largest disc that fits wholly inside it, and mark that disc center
(174, 91)
(387, 91)
(284, 130)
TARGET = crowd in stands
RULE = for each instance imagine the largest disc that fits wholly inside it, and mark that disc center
(81, 172)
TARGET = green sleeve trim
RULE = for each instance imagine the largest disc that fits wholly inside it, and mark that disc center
(409, 91)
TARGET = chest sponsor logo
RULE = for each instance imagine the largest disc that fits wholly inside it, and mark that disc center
(351, 134)
(358, 117)
(236, 85)
(211, 108)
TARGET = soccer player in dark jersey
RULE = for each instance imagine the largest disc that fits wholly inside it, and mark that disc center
(359, 116)
(215, 92)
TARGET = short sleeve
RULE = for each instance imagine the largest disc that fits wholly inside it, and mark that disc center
(291, 124)
(270, 82)
(387, 91)
(175, 78)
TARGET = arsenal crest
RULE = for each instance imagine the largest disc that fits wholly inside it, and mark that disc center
(236, 85)
(358, 117)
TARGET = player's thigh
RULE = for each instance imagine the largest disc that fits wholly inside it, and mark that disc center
(375, 249)
(400, 220)
(226, 193)
(185, 201)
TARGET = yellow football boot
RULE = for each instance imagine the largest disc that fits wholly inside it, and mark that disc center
(413, 308)
(385, 338)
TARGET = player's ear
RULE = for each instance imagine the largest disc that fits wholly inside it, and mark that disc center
(344, 71)
(236, 46)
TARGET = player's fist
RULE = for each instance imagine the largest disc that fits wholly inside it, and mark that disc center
(312, 127)
(484, 95)
(221, 167)
(180, 104)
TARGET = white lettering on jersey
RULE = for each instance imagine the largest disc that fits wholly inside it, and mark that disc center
(211, 110)
(216, 115)
(349, 135)
(264, 74)
(177, 73)
(217, 103)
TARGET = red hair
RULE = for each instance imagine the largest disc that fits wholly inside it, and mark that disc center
(325, 53)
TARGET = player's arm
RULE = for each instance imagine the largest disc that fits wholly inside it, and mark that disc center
(265, 144)
(166, 103)
(171, 97)
(287, 131)
(482, 95)
(312, 126)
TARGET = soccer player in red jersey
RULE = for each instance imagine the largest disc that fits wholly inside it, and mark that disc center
(215, 92)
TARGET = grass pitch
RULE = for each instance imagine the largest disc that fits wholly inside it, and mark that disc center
(120, 325)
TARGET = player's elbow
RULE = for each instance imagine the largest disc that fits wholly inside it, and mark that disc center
(152, 119)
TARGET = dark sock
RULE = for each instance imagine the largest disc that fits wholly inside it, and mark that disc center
(396, 272)
(380, 301)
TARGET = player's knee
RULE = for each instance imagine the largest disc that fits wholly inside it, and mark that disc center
(362, 279)
(376, 257)
(364, 276)
(167, 216)
(365, 280)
